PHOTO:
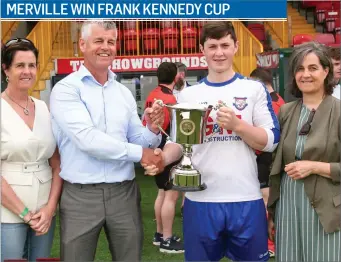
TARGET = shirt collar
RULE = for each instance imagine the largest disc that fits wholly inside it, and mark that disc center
(84, 72)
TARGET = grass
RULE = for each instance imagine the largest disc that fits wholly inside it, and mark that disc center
(150, 252)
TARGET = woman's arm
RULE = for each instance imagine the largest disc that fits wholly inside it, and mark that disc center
(45, 214)
(304, 168)
(329, 170)
(11, 201)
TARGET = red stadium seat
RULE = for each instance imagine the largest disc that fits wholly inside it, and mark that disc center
(130, 36)
(130, 40)
(320, 11)
(189, 37)
(301, 38)
(170, 37)
(258, 31)
(150, 38)
(331, 17)
(325, 39)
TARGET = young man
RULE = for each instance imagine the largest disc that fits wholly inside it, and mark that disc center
(100, 136)
(264, 159)
(166, 199)
(334, 54)
(228, 218)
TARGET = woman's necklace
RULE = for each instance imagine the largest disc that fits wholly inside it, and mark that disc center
(26, 111)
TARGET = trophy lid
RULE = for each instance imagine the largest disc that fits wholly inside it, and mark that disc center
(189, 106)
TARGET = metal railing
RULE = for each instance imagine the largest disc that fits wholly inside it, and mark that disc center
(43, 35)
(245, 59)
(280, 30)
(6, 30)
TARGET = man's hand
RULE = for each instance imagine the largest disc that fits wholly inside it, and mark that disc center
(299, 169)
(28, 219)
(152, 170)
(154, 116)
(226, 118)
(45, 216)
(153, 158)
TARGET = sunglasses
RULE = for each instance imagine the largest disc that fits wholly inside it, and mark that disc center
(307, 126)
(17, 40)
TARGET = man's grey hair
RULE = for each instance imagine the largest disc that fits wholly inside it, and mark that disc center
(86, 27)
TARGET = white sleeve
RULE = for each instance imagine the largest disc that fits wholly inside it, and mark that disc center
(265, 117)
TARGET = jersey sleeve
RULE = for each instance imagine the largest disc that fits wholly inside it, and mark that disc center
(146, 105)
(265, 117)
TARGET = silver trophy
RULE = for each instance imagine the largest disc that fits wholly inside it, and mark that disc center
(188, 128)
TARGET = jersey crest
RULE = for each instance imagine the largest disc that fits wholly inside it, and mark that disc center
(240, 103)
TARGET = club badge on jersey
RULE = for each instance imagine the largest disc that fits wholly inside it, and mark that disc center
(240, 103)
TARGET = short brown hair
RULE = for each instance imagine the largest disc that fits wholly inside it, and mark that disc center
(166, 73)
(334, 53)
(296, 60)
(217, 30)
(263, 75)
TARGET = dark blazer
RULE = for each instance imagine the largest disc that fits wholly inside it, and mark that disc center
(322, 144)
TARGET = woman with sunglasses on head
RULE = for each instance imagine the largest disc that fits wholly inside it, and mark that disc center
(30, 164)
(304, 201)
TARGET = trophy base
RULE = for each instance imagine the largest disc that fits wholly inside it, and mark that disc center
(186, 180)
(189, 189)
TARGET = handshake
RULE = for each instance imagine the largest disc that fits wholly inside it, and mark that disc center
(152, 161)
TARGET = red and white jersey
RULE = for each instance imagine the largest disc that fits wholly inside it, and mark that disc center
(227, 164)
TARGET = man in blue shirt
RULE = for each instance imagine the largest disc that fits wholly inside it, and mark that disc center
(100, 136)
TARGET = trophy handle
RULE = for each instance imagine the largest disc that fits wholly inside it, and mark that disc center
(160, 103)
(163, 131)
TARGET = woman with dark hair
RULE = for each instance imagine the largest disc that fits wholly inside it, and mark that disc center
(304, 201)
(30, 164)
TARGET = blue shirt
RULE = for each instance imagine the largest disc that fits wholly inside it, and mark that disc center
(97, 128)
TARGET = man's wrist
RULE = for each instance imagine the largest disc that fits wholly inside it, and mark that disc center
(238, 128)
(155, 130)
(51, 206)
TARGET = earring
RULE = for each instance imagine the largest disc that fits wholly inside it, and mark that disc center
(7, 79)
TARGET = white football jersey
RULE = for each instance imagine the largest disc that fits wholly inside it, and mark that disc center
(336, 91)
(227, 164)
